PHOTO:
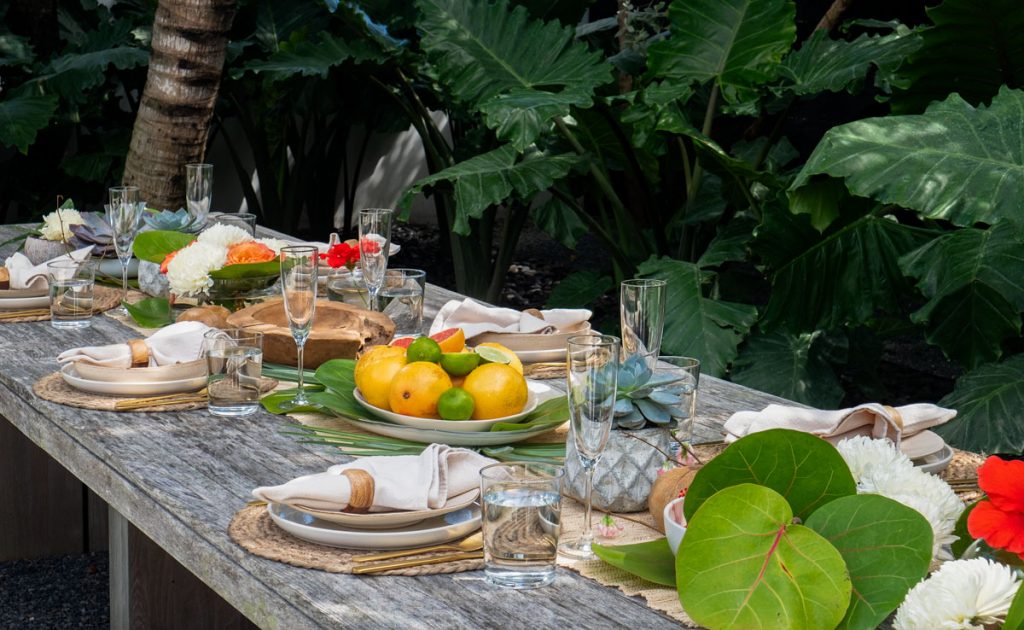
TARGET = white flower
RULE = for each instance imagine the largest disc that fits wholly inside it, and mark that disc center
(863, 454)
(189, 272)
(274, 243)
(224, 235)
(961, 594)
(56, 225)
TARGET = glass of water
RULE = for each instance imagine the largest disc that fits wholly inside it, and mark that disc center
(242, 220)
(199, 191)
(374, 242)
(71, 289)
(642, 316)
(522, 516)
(234, 360)
(681, 394)
(401, 299)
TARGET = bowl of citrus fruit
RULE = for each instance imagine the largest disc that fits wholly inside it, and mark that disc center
(438, 383)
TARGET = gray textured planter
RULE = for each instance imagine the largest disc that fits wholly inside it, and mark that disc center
(623, 477)
(40, 250)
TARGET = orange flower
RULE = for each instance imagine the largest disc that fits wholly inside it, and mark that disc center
(999, 518)
(168, 259)
(249, 252)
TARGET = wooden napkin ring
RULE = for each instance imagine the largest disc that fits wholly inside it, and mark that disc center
(361, 498)
(896, 416)
(5, 278)
(140, 353)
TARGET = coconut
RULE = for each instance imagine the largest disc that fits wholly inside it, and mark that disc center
(667, 487)
(211, 315)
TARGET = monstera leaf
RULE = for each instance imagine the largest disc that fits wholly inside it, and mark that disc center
(736, 43)
(22, 116)
(792, 366)
(307, 58)
(988, 401)
(954, 162)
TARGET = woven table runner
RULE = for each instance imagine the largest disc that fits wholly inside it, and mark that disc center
(103, 299)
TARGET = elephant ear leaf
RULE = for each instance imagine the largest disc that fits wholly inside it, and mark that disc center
(21, 118)
(987, 401)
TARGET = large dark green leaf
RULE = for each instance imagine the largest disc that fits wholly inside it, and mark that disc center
(744, 564)
(793, 366)
(156, 244)
(579, 289)
(151, 312)
(805, 469)
(953, 162)
(276, 21)
(22, 116)
(568, 12)
(338, 375)
(988, 401)
(698, 326)
(887, 548)
(308, 58)
(520, 116)
(15, 50)
(559, 221)
(652, 560)
(71, 74)
(782, 235)
(737, 43)
(730, 244)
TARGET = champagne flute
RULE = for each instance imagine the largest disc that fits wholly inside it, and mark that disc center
(124, 214)
(199, 192)
(374, 242)
(593, 373)
(298, 284)
(642, 316)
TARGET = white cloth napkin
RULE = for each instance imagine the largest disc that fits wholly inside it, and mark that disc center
(177, 343)
(401, 482)
(871, 419)
(25, 275)
(475, 318)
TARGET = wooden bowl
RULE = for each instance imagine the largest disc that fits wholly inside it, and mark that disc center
(340, 331)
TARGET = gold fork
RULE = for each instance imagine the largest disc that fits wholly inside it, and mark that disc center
(161, 401)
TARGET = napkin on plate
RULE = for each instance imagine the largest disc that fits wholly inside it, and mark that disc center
(25, 275)
(177, 343)
(400, 482)
(872, 419)
(475, 318)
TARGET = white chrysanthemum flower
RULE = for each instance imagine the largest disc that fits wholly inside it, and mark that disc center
(863, 454)
(223, 235)
(274, 243)
(189, 272)
(961, 594)
(56, 225)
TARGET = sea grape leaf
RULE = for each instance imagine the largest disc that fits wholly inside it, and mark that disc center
(337, 375)
(579, 289)
(151, 312)
(652, 560)
(988, 401)
(793, 366)
(154, 245)
(887, 548)
(805, 469)
(21, 118)
(248, 270)
(744, 564)
(308, 58)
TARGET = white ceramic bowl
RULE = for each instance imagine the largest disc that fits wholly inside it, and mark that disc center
(160, 374)
(674, 530)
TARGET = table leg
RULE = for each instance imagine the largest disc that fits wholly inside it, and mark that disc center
(120, 585)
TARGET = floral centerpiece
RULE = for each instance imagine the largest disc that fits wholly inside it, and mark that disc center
(345, 280)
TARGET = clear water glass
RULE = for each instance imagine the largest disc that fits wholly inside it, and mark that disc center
(234, 360)
(71, 293)
(374, 242)
(243, 220)
(299, 284)
(124, 214)
(686, 371)
(522, 516)
(199, 192)
(642, 316)
(592, 371)
(401, 299)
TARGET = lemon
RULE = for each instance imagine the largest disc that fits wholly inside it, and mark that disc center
(423, 349)
(490, 346)
(459, 363)
(455, 404)
(416, 389)
(498, 390)
(374, 372)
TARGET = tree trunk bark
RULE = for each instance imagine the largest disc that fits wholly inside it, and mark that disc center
(189, 45)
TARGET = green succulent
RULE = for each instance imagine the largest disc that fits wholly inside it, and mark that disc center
(646, 396)
(172, 220)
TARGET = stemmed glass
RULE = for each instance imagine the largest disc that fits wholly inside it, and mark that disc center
(374, 242)
(199, 191)
(125, 217)
(642, 317)
(593, 375)
(298, 283)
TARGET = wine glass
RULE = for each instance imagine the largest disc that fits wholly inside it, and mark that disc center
(374, 242)
(642, 316)
(199, 192)
(298, 284)
(124, 214)
(593, 375)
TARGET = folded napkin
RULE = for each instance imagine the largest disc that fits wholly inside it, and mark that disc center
(872, 419)
(25, 275)
(475, 318)
(400, 482)
(177, 343)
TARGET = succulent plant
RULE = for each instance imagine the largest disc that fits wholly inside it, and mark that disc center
(175, 220)
(96, 232)
(646, 396)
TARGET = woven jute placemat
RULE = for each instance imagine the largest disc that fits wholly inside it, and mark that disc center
(103, 299)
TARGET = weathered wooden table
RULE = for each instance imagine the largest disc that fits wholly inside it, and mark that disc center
(178, 478)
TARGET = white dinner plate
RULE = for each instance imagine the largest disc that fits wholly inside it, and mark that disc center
(452, 438)
(936, 462)
(112, 267)
(433, 531)
(390, 520)
(541, 356)
(158, 374)
(72, 378)
(538, 393)
(15, 303)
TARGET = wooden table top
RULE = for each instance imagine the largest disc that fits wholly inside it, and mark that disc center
(180, 477)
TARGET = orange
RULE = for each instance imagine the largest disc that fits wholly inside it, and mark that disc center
(450, 340)
(498, 390)
(513, 362)
(249, 252)
(416, 389)
(375, 371)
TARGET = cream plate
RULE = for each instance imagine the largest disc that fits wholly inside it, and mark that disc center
(936, 462)
(159, 374)
(72, 378)
(17, 303)
(452, 438)
(532, 342)
(7, 294)
(391, 520)
(433, 531)
(538, 392)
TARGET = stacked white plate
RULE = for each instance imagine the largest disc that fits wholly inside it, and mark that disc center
(928, 451)
(534, 347)
(17, 299)
(148, 381)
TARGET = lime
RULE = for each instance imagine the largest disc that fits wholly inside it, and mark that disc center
(493, 355)
(423, 349)
(459, 363)
(455, 404)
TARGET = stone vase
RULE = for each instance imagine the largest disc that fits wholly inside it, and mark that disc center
(625, 473)
(40, 250)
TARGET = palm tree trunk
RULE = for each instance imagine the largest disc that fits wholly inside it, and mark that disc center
(189, 45)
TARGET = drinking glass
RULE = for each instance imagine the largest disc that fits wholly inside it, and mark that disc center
(298, 283)
(71, 289)
(243, 220)
(234, 360)
(686, 371)
(125, 217)
(199, 191)
(374, 241)
(522, 516)
(402, 300)
(642, 316)
(593, 373)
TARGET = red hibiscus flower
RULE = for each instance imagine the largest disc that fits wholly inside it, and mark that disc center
(999, 518)
(370, 246)
(342, 254)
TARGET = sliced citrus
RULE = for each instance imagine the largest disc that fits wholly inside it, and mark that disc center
(416, 389)
(402, 342)
(498, 390)
(459, 363)
(423, 349)
(455, 404)
(487, 349)
(451, 339)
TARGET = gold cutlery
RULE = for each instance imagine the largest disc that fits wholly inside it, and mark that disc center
(161, 401)
(544, 370)
(35, 312)
(404, 564)
(472, 543)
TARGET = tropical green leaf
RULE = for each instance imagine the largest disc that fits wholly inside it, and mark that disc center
(72, 74)
(737, 43)
(338, 375)
(744, 564)
(151, 312)
(559, 221)
(652, 560)
(275, 402)
(782, 235)
(579, 289)
(156, 244)
(520, 116)
(22, 116)
(819, 199)
(276, 21)
(730, 244)
(1015, 616)
(552, 412)
(15, 50)
(988, 401)
(568, 12)
(954, 162)
(699, 327)
(248, 270)
(308, 58)
(805, 469)
(963, 537)
(792, 366)
(887, 548)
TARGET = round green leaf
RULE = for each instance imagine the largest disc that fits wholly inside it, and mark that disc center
(248, 270)
(154, 245)
(805, 469)
(651, 560)
(744, 564)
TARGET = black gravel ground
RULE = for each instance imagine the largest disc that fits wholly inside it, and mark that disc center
(63, 592)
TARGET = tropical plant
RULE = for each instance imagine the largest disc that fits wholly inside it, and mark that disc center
(643, 396)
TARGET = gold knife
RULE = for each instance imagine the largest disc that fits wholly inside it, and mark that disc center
(36, 312)
(404, 564)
